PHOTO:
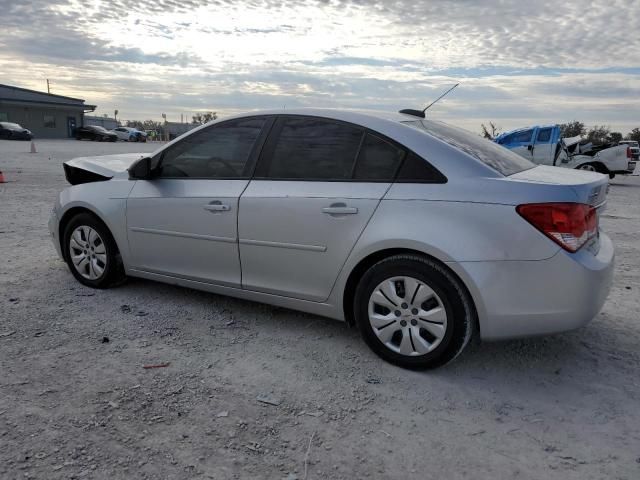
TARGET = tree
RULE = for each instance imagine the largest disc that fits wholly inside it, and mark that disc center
(492, 132)
(634, 135)
(200, 118)
(572, 129)
(598, 134)
(145, 125)
(614, 137)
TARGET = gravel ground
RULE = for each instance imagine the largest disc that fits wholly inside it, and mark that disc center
(253, 391)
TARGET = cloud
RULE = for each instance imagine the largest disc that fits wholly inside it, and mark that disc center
(518, 62)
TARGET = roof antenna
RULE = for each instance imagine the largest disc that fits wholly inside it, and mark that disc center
(421, 113)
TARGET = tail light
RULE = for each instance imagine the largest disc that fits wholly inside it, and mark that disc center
(570, 225)
(629, 155)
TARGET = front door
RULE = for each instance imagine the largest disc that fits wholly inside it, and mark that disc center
(544, 147)
(71, 126)
(522, 144)
(316, 186)
(183, 222)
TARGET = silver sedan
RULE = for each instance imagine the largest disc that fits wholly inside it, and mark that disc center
(420, 234)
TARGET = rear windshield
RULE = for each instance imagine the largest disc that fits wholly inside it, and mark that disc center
(499, 158)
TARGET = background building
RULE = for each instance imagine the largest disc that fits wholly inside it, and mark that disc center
(45, 114)
(106, 122)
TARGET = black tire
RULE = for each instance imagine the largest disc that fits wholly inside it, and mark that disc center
(114, 270)
(455, 300)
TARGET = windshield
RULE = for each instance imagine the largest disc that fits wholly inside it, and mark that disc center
(10, 125)
(499, 158)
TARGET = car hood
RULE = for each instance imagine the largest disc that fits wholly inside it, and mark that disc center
(107, 165)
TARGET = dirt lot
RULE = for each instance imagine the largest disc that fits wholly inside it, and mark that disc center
(253, 391)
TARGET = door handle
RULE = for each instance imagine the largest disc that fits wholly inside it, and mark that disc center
(339, 209)
(216, 207)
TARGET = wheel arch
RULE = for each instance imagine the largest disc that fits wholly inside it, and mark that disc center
(599, 166)
(372, 258)
(70, 214)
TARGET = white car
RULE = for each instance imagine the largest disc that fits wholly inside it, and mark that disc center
(130, 134)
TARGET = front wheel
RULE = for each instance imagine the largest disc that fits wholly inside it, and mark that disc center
(413, 312)
(91, 253)
(588, 166)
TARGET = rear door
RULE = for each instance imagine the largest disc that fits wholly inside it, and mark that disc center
(316, 186)
(183, 222)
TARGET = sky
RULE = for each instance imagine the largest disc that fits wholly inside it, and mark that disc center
(518, 62)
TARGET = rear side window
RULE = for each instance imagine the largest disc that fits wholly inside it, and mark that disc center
(378, 160)
(219, 151)
(544, 135)
(313, 149)
(491, 154)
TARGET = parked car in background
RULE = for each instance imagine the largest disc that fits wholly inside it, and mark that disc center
(13, 131)
(130, 134)
(543, 145)
(95, 133)
(634, 146)
(420, 234)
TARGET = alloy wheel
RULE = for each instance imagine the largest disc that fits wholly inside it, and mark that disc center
(407, 316)
(87, 252)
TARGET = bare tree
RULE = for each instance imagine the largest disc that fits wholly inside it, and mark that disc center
(201, 118)
(492, 132)
(145, 125)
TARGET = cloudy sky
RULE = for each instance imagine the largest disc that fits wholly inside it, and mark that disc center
(519, 62)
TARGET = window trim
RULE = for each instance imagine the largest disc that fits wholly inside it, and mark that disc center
(266, 154)
(249, 165)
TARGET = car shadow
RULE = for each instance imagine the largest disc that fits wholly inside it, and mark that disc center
(505, 361)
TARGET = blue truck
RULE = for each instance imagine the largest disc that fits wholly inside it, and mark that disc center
(544, 145)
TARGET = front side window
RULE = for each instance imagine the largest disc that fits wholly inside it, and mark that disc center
(313, 149)
(219, 151)
(49, 121)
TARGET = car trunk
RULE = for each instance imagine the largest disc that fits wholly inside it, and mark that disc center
(590, 188)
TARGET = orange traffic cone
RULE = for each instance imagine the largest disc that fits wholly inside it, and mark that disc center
(33, 147)
(2, 180)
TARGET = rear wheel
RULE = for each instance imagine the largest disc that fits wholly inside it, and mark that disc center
(412, 312)
(91, 252)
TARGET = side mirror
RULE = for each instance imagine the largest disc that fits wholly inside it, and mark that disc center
(141, 170)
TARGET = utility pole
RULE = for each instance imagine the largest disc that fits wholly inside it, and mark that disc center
(48, 89)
